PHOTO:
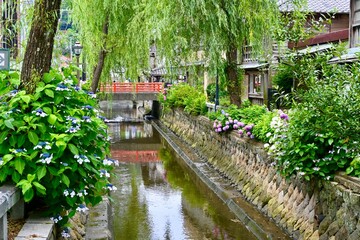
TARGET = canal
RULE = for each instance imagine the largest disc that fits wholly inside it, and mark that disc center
(158, 196)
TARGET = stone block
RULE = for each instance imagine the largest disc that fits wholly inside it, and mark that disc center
(355, 235)
(324, 225)
(342, 233)
(314, 236)
(333, 228)
(36, 231)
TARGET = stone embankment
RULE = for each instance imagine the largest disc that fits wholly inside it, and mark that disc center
(305, 210)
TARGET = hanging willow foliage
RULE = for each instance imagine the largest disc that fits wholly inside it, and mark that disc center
(178, 28)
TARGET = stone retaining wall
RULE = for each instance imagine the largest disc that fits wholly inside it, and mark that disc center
(306, 210)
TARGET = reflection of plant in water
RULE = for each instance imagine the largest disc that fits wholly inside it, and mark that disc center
(178, 179)
(197, 196)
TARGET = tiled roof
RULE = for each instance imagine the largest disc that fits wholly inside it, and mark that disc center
(319, 6)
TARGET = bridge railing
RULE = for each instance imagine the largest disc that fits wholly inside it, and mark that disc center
(132, 87)
(10, 201)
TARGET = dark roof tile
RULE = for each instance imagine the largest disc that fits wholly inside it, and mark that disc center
(319, 6)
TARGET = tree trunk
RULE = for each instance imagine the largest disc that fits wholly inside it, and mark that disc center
(38, 54)
(101, 60)
(232, 76)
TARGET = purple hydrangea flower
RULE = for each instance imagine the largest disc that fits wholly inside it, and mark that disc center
(248, 127)
(284, 116)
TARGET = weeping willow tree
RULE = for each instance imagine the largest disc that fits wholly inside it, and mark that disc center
(218, 28)
(119, 33)
(40, 44)
(103, 29)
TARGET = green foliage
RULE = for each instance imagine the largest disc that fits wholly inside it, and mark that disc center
(249, 120)
(322, 136)
(253, 113)
(211, 92)
(53, 144)
(284, 77)
(184, 96)
(262, 130)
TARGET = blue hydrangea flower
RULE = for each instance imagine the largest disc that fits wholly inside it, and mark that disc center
(62, 87)
(66, 233)
(46, 158)
(81, 159)
(101, 117)
(86, 119)
(19, 150)
(91, 94)
(39, 112)
(73, 129)
(88, 107)
(56, 218)
(82, 208)
(42, 145)
(13, 93)
(104, 173)
(111, 187)
(82, 193)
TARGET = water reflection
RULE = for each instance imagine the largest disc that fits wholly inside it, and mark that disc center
(125, 130)
(158, 198)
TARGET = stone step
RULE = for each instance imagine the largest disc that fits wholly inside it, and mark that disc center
(37, 228)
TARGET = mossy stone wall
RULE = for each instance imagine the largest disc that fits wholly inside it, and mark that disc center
(306, 210)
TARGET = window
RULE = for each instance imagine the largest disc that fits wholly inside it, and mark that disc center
(355, 23)
(256, 83)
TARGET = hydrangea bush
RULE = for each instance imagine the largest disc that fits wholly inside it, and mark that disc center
(54, 144)
(322, 136)
(244, 120)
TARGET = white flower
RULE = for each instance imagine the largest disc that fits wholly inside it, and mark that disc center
(107, 162)
(46, 158)
(82, 208)
(66, 233)
(111, 187)
(56, 219)
(39, 112)
(73, 129)
(72, 194)
(266, 145)
(82, 193)
(104, 173)
(81, 159)
(68, 81)
(66, 193)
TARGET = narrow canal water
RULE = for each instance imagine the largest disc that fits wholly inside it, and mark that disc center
(158, 196)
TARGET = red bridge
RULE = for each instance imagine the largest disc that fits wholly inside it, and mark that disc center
(153, 87)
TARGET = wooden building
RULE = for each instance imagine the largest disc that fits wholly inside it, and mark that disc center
(258, 72)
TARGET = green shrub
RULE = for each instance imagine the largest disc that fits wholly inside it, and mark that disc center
(211, 92)
(284, 78)
(323, 134)
(262, 130)
(184, 96)
(53, 144)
